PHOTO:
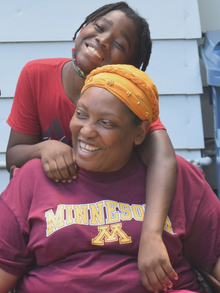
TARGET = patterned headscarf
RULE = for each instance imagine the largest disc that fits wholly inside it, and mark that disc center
(131, 85)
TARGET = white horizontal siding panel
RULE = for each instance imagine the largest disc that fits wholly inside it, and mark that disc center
(174, 65)
(171, 19)
(192, 20)
(183, 119)
(5, 107)
(2, 161)
(4, 179)
(189, 155)
(57, 20)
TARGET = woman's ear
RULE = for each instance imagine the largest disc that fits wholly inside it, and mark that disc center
(142, 130)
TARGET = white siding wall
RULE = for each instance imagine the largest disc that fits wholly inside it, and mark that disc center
(44, 28)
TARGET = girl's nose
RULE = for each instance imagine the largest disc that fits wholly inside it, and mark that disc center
(104, 40)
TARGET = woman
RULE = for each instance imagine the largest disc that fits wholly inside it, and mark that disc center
(84, 236)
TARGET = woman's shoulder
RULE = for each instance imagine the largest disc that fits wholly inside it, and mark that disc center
(19, 192)
(188, 168)
(30, 170)
(191, 181)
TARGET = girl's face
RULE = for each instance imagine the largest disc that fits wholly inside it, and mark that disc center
(102, 131)
(108, 40)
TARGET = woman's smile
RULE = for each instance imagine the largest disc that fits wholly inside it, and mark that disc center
(87, 148)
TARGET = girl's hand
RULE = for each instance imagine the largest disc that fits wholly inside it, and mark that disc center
(58, 160)
(154, 264)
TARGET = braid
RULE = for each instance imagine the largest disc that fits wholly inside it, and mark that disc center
(143, 47)
(146, 45)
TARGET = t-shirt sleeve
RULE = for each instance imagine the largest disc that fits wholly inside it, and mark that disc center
(156, 126)
(23, 117)
(202, 245)
(15, 203)
(13, 258)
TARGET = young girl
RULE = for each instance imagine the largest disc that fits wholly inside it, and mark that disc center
(44, 103)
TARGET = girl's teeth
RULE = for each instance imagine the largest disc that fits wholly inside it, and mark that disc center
(94, 52)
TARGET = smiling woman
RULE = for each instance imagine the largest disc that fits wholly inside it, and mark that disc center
(103, 130)
(113, 114)
(97, 127)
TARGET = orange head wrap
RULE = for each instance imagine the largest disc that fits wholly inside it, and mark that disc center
(131, 85)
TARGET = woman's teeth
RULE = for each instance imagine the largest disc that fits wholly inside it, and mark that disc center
(94, 52)
(86, 147)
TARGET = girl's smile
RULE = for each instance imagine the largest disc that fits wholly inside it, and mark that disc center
(110, 39)
(94, 52)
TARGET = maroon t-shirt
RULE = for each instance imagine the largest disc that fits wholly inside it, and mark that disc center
(84, 236)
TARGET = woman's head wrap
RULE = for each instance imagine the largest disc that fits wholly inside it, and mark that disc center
(131, 85)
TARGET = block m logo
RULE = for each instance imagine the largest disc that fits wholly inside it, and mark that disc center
(111, 233)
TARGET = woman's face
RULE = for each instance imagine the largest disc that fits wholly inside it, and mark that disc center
(109, 40)
(102, 131)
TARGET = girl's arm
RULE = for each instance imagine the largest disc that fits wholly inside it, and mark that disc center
(213, 276)
(7, 281)
(20, 149)
(57, 158)
(158, 155)
(214, 270)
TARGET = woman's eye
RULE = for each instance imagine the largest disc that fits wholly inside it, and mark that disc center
(107, 123)
(80, 114)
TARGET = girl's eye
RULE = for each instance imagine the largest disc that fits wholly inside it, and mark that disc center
(121, 47)
(99, 28)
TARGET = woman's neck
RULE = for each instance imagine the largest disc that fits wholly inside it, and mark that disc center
(131, 166)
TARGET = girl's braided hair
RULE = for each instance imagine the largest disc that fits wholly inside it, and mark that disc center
(144, 43)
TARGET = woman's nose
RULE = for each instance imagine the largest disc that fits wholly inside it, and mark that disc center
(88, 129)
